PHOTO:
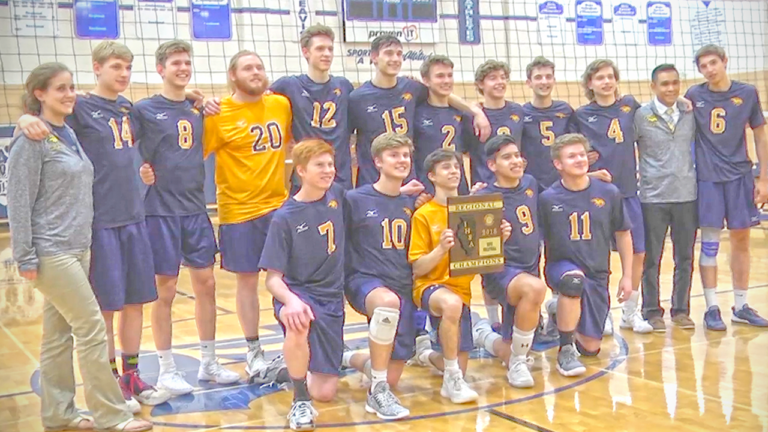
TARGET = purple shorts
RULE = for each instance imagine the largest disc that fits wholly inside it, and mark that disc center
(177, 239)
(595, 301)
(357, 291)
(634, 211)
(326, 333)
(731, 201)
(241, 244)
(122, 271)
(496, 284)
(466, 343)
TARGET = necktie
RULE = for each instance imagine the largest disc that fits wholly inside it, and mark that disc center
(670, 119)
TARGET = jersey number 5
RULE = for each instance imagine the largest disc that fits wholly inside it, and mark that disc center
(717, 121)
(274, 137)
(326, 229)
(548, 136)
(123, 133)
(615, 132)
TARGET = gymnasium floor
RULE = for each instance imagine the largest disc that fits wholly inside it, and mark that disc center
(681, 380)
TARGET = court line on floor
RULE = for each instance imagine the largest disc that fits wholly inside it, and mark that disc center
(20, 345)
(519, 421)
(616, 362)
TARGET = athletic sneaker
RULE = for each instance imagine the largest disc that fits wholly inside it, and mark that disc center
(481, 328)
(255, 364)
(713, 320)
(144, 393)
(608, 328)
(519, 373)
(302, 416)
(173, 382)
(423, 348)
(747, 315)
(568, 363)
(382, 402)
(635, 322)
(269, 373)
(551, 328)
(133, 406)
(213, 371)
(456, 389)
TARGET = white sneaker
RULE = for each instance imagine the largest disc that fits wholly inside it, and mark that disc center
(481, 328)
(608, 329)
(423, 348)
(519, 373)
(255, 364)
(635, 322)
(456, 389)
(173, 382)
(133, 405)
(213, 371)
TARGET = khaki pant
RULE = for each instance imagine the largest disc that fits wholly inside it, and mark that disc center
(71, 309)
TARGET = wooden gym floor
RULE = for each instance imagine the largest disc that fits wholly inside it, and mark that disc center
(680, 380)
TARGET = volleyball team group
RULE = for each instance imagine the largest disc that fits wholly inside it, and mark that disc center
(612, 175)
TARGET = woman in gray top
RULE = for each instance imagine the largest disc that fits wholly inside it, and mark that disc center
(50, 209)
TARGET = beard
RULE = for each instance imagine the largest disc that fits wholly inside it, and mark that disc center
(251, 89)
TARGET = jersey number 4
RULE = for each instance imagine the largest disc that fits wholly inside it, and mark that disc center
(615, 132)
(274, 137)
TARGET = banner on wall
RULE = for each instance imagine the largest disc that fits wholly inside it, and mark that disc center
(411, 21)
(211, 20)
(589, 22)
(707, 24)
(659, 15)
(34, 17)
(303, 15)
(469, 22)
(97, 19)
(155, 19)
(626, 23)
(551, 21)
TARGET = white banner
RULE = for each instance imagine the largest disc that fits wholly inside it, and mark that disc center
(155, 19)
(34, 18)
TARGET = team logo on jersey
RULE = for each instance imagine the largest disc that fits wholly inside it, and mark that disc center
(337, 91)
(301, 228)
(700, 104)
(371, 108)
(557, 208)
(407, 96)
(625, 108)
(529, 193)
(561, 115)
(592, 119)
(96, 114)
(54, 143)
(599, 202)
(371, 213)
(408, 211)
(333, 204)
(195, 111)
(527, 119)
(124, 110)
(426, 122)
(652, 118)
(515, 118)
(161, 116)
(488, 219)
(457, 118)
(737, 101)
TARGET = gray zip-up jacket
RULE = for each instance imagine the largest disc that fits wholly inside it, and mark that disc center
(50, 199)
(667, 172)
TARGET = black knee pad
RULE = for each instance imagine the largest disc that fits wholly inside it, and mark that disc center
(583, 351)
(571, 285)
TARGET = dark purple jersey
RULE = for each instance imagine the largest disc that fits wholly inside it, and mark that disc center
(105, 132)
(171, 140)
(320, 111)
(435, 128)
(378, 234)
(523, 248)
(305, 243)
(611, 132)
(540, 128)
(579, 226)
(375, 110)
(504, 121)
(721, 121)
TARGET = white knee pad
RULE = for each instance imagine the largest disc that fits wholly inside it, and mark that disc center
(383, 325)
(710, 245)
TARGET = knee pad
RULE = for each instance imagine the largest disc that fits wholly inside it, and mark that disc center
(572, 284)
(710, 245)
(383, 325)
(585, 352)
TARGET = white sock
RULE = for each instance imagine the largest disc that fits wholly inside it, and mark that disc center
(739, 298)
(710, 297)
(630, 306)
(521, 342)
(451, 364)
(488, 343)
(493, 313)
(165, 358)
(207, 351)
(377, 377)
(346, 358)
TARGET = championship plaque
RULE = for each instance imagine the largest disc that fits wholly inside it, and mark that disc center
(476, 223)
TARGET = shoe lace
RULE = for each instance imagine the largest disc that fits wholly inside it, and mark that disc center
(302, 410)
(386, 398)
(137, 385)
